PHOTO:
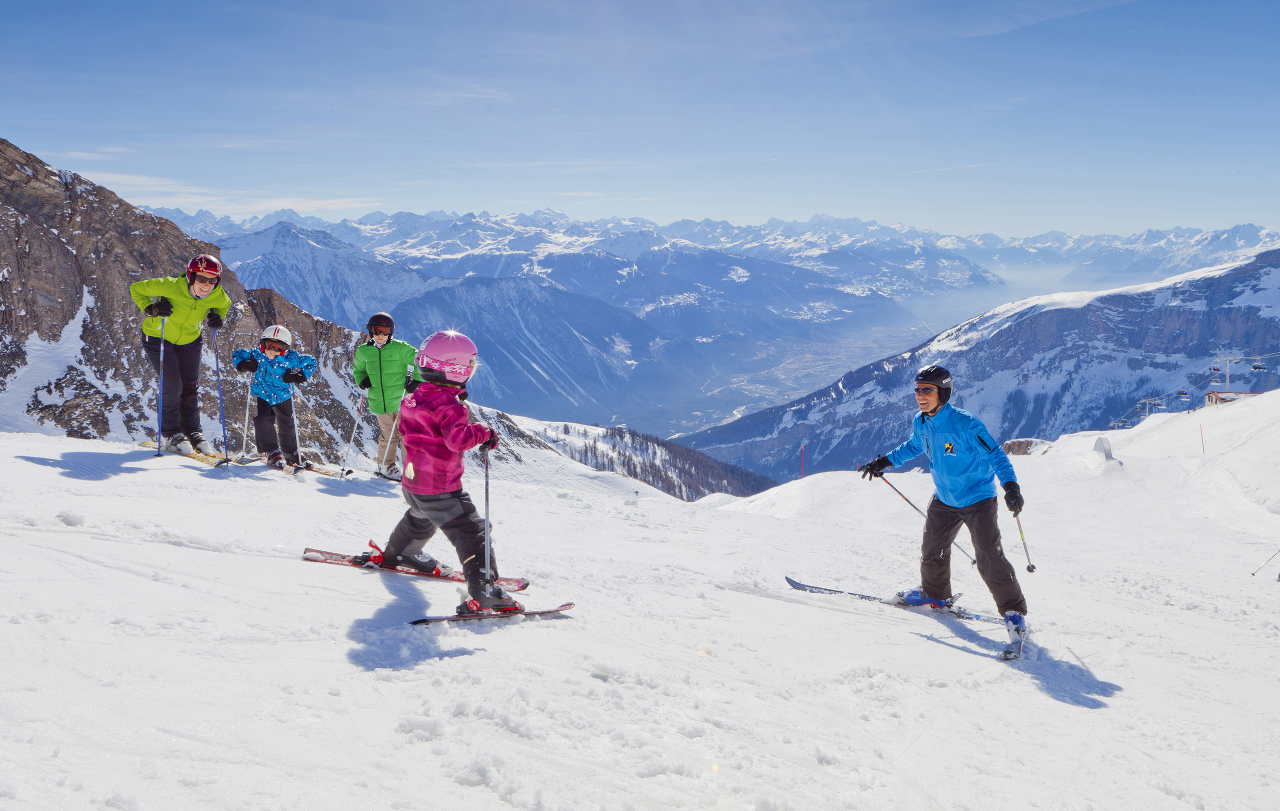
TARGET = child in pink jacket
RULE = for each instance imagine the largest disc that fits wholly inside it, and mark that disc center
(436, 432)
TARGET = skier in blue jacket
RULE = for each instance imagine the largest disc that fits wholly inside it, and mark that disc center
(963, 458)
(276, 368)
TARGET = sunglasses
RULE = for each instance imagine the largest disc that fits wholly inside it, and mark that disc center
(276, 345)
(926, 389)
(381, 330)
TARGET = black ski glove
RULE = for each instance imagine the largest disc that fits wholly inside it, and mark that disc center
(410, 385)
(1013, 497)
(875, 468)
(249, 364)
(365, 383)
(293, 376)
(161, 307)
(491, 444)
(213, 320)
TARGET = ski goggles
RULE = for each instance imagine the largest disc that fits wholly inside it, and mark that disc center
(381, 330)
(926, 389)
(203, 279)
(273, 345)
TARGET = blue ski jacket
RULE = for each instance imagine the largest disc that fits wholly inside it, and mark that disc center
(962, 455)
(267, 382)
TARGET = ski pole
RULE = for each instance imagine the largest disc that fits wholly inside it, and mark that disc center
(244, 432)
(1031, 567)
(957, 545)
(355, 425)
(296, 395)
(222, 411)
(488, 543)
(160, 397)
(1265, 562)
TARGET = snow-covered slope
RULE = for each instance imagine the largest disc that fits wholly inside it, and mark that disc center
(164, 646)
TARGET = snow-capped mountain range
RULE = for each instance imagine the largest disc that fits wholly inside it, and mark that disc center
(848, 247)
(763, 313)
(1039, 367)
(676, 339)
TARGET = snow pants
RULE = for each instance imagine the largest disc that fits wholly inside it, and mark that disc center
(941, 526)
(455, 516)
(180, 400)
(274, 430)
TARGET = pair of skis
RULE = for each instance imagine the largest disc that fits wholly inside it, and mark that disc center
(304, 467)
(444, 573)
(1011, 651)
(243, 461)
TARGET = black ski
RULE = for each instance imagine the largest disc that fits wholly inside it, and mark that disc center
(954, 611)
(493, 615)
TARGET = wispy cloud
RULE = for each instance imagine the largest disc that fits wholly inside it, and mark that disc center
(448, 97)
(937, 170)
(166, 192)
(98, 154)
(567, 166)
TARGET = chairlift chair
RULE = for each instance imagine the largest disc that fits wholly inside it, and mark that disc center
(1259, 367)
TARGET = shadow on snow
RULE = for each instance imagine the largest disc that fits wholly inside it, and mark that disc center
(1061, 680)
(91, 465)
(387, 641)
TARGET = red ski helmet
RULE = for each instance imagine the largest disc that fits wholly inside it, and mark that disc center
(206, 264)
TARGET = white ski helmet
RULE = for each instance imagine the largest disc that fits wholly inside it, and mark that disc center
(277, 333)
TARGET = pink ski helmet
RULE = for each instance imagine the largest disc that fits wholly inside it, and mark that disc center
(450, 353)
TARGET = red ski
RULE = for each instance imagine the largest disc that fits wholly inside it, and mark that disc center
(452, 575)
(493, 615)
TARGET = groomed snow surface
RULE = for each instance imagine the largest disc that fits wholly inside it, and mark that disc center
(165, 647)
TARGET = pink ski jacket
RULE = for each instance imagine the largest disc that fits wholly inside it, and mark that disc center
(436, 433)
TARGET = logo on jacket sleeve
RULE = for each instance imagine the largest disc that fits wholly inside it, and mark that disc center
(948, 449)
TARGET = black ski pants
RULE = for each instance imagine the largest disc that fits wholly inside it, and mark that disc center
(180, 400)
(941, 526)
(455, 516)
(273, 429)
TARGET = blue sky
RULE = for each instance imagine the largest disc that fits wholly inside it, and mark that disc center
(1009, 116)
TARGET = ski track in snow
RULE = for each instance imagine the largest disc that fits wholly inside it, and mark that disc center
(166, 647)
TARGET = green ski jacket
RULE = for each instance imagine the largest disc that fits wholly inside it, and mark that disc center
(386, 368)
(189, 312)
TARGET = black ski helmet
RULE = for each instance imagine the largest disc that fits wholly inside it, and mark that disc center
(380, 320)
(937, 376)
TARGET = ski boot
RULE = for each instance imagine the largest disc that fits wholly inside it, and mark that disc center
(177, 443)
(197, 440)
(1016, 624)
(488, 597)
(917, 596)
(421, 563)
(275, 459)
